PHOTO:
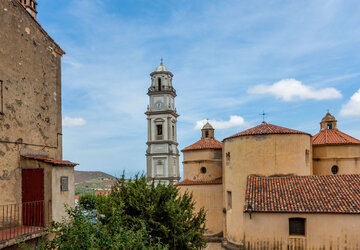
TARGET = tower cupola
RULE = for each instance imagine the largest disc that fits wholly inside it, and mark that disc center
(328, 122)
(30, 6)
(207, 131)
(161, 80)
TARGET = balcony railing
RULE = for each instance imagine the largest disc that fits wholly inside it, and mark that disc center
(18, 220)
(164, 88)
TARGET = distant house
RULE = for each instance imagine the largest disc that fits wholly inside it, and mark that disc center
(35, 182)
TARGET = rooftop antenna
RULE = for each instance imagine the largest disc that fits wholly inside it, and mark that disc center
(263, 115)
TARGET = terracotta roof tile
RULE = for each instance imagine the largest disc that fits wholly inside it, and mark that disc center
(103, 192)
(267, 129)
(332, 136)
(51, 161)
(207, 143)
(190, 182)
(304, 194)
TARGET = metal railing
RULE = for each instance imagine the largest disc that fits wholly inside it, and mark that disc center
(17, 220)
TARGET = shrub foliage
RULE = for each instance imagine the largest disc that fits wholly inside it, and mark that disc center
(135, 215)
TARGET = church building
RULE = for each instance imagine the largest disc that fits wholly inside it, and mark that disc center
(271, 187)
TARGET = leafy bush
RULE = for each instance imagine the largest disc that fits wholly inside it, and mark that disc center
(135, 215)
(87, 201)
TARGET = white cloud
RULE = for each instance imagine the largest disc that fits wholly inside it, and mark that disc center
(235, 121)
(352, 107)
(291, 90)
(73, 122)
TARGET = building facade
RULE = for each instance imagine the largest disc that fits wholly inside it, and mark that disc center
(33, 177)
(278, 188)
(162, 154)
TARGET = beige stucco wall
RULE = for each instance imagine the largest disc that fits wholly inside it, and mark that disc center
(30, 68)
(54, 199)
(262, 155)
(210, 197)
(60, 198)
(346, 157)
(320, 229)
(196, 159)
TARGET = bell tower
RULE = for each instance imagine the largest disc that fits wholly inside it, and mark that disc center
(162, 155)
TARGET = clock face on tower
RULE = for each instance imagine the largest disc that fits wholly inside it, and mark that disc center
(158, 105)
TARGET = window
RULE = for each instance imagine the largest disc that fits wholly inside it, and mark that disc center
(329, 126)
(297, 226)
(307, 156)
(173, 132)
(334, 169)
(159, 168)
(203, 170)
(206, 133)
(159, 84)
(159, 129)
(227, 158)
(64, 183)
(229, 200)
(1, 97)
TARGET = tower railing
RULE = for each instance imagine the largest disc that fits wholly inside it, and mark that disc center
(164, 88)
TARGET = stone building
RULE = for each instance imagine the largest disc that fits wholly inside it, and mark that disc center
(162, 155)
(35, 182)
(279, 187)
(202, 176)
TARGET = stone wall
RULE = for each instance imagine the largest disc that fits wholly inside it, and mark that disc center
(30, 71)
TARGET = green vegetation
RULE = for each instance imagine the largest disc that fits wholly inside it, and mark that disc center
(90, 181)
(134, 216)
(87, 201)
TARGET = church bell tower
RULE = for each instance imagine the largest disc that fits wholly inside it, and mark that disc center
(162, 155)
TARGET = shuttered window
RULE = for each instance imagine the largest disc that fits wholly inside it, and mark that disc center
(296, 226)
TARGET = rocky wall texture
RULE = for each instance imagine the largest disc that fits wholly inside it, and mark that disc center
(30, 94)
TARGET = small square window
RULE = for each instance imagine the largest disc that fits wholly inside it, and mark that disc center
(297, 226)
(64, 183)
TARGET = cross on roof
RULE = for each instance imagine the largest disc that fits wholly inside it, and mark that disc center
(263, 115)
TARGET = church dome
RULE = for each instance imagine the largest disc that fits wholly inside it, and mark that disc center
(208, 126)
(328, 118)
(266, 129)
(161, 67)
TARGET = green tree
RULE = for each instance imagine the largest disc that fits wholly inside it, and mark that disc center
(79, 232)
(135, 215)
(87, 201)
(166, 215)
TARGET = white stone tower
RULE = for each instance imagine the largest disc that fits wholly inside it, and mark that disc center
(162, 155)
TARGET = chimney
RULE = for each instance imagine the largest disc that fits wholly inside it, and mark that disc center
(30, 6)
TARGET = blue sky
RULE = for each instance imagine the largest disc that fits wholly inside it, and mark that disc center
(230, 59)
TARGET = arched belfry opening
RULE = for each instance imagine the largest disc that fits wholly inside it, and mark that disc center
(328, 122)
(207, 131)
(159, 84)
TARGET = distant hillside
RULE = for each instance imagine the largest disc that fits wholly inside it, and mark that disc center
(90, 181)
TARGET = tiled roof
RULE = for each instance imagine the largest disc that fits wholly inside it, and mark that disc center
(206, 143)
(51, 161)
(333, 136)
(190, 182)
(304, 194)
(103, 192)
(267, 129)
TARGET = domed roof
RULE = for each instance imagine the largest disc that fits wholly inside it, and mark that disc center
(267, 129)
(161, 67)
(206, 143)
(332, 136)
